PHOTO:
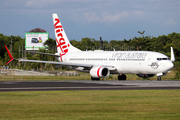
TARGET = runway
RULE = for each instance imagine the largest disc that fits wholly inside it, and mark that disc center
(87, 85)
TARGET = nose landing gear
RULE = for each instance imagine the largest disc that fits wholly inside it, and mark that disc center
(159, 78)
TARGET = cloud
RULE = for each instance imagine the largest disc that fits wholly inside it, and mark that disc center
(170, 22)
(104, 17)
(99, 11)
(114, 17)
(138, 13)
(39, 3)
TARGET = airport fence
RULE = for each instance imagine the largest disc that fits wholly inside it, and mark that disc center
(20, 75)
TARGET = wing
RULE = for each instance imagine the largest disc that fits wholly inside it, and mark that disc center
(56, 63)
(67, 64)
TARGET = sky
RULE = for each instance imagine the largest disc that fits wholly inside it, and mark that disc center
(109, 19)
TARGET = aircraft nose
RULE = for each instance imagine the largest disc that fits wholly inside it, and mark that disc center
(169, 65)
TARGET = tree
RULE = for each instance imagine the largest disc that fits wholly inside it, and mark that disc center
(76, 44)
(50, 42)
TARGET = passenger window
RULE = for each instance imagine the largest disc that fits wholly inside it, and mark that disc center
(163, 59)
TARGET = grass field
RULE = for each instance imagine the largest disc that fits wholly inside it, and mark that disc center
(91, 105)
(88, 105)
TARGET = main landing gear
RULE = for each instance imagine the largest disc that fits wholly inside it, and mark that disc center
(95, 79)
(122, 77)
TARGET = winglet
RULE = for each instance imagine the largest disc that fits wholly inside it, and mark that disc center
(172, 55)
(10, 55)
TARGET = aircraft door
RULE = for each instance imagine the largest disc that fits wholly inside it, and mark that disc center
(149, 61)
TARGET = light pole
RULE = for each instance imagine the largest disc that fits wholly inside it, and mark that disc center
(11, 44)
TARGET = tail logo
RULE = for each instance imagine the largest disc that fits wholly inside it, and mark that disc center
(61, 43)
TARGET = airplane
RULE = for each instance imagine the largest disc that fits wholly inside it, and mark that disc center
(101, 64)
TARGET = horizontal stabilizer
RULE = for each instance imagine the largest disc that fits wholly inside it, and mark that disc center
(10, 55)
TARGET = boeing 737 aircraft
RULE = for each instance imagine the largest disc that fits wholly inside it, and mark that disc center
(101, 64)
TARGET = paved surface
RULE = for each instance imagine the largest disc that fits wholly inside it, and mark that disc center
(87, 85)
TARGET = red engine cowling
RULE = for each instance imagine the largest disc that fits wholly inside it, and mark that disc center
(145, 75)
(99, 72)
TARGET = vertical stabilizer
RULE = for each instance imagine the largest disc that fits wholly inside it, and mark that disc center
(62, 42)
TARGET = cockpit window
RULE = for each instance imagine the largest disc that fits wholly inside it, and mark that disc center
(163, 59)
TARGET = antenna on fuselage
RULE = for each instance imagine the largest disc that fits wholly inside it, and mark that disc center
(101, 43)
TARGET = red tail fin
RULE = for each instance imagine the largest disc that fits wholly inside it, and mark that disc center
(12, 58)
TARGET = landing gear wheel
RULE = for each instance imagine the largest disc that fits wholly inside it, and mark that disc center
(122, 77)
(158, 78)
(95, 79)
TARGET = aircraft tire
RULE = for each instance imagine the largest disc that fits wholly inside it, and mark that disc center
(95, 79)
(122, 77)
(159, 78)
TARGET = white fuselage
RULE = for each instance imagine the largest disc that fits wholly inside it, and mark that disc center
(137, 62)
(102, 63)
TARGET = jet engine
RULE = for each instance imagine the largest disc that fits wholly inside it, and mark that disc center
(145, 75)
(57, 58)
(99, 72)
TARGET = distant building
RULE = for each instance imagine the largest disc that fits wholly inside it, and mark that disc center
(37, 30)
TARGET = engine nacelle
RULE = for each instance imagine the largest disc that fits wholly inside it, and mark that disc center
(57, 58)
(99, 72)
(145, 75)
